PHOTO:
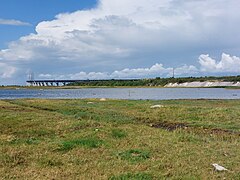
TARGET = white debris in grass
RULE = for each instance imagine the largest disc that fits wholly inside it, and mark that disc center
(156, 106)
(90, 102)
(219, 168)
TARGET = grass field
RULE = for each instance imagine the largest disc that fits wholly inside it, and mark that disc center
(119, 139)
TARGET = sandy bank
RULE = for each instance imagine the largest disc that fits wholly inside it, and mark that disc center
(204, 84)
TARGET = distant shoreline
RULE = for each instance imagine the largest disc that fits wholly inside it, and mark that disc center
(158, 82)
(175, 85)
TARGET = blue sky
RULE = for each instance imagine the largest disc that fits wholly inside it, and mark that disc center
(33, 12)
(90, 39)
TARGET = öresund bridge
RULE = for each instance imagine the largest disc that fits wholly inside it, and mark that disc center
(65, 82)
(51, 82)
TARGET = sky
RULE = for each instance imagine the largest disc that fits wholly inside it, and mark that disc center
(112, 39)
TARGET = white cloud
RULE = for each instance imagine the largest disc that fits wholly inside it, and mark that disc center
(121, 29)
(186, 70)
(155, 70)
(91, 75)
(46, 76)
(6, 71)
(227, 64)
(13, 22)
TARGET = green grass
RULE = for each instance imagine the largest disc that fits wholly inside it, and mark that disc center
(118, 133)
(86, 142)
(119, 139)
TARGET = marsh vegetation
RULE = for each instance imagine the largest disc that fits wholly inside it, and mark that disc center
(119, 139)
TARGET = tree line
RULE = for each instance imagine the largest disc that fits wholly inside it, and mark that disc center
(153, 81)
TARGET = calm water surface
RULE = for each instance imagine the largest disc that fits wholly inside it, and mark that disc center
(123, 93)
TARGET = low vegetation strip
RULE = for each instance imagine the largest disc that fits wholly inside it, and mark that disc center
(158, 81)
(119, 139)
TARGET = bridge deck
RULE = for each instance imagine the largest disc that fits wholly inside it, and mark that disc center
(64, 82)
(69, 81)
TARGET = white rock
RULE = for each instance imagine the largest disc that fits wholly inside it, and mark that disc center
(103, 99)
(156, 106)
(203, 84)
(219, 168)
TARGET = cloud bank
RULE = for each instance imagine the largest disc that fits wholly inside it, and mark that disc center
(156, 69)
(227, 64)
(121, 36)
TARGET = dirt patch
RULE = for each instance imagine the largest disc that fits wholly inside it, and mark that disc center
(170, 126)
(174, 126)
(28, 106)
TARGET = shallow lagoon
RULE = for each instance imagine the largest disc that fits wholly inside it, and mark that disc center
(122, 93)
